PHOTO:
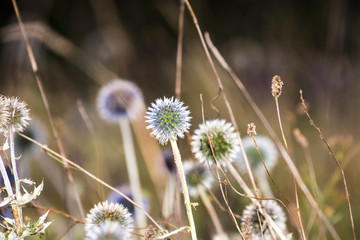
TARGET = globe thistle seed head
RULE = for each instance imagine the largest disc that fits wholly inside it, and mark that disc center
(168, 118)
(114, 197)
(106, 211)
(251, 213)
(119, 99)
(19, 115)
(197, 174)
(268, 152)
(4, 113)
(108, 230)
(224, 141)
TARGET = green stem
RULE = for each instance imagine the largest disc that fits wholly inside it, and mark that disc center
(180, 169)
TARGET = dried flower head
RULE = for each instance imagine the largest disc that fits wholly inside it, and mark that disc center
(251, 130)
(19, 115)
(168, 119)
(119, 99)
(252, 214)
(106, 211)
(268, 152)
(276, 86)
(108, 230)
(223, 141)
(4, 113)
(197, 174)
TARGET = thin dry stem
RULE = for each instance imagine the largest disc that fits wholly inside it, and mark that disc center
(179, 50)
(99, 164)
(282, 150)
(312, 123)
(47, 107)
(74, 219)
(302, 231)
(280, 124)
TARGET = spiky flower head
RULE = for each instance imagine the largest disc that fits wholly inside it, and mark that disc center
(4, 113)
(197, 174)
(19, 115)
(276, 86)
(268, 152)
(119, 99)
(168, 118)
(106, 211)
(223, 141)
(251, 215)
(108, 230)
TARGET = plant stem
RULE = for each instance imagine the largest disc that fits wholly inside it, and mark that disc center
(211, 210)
(18, 212)
(132, 170)
(180, 169)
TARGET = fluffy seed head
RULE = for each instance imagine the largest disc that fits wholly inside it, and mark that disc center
(108, 230)
(250, 215)
(119, 99)
(197, 174)
(4, 113)
(276, 86)
(223, 141)
(268, 152)
(168, 119)
(106, 211)
(19, 114)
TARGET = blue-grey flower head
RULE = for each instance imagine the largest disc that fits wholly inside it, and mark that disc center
(224, 141)
(4, 113)
(120, 99)
(168, 118)
(106, 211)
(273, 209)
(108, 230)
(19, 114)
(268, 152)
(197, 174)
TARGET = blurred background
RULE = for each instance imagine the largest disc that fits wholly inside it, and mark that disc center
(81, 45)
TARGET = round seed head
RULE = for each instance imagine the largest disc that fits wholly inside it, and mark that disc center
(276, 86)
(119, 99)
(106, 211)
(196, 174)
(19, 114)
(168, 119)
(108, 231)
(4, 113)
(268, 152)
(250, 217)
(223, 141)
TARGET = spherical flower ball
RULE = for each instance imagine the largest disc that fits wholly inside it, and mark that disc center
(106, 211)
(272, 208)
(4, 113)
(168, 119)
(119, 99)
(224, 141)
(196, 175)
(19, 115)
(268, 152)
(108, 230)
